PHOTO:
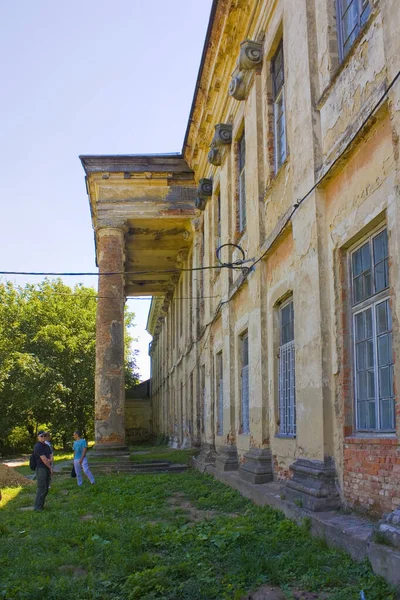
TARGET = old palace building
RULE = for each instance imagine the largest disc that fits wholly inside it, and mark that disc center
(271, 248)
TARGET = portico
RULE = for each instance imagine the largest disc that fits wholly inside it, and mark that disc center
(141, 209)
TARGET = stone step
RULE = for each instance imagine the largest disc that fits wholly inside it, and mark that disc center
(125, 466)
(129, 467)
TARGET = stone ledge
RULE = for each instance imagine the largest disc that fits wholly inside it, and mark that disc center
(351, 533)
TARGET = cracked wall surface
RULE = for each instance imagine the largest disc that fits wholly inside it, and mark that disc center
(338, 184)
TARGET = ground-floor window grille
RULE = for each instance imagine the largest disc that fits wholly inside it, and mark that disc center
(287, 379)
(245, 409)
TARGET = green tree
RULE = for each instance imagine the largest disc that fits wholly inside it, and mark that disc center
(47, 359)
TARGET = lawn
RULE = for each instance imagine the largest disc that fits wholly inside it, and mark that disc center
(167, 537)
(142, 454)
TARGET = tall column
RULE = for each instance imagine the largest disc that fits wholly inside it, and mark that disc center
(109, 382)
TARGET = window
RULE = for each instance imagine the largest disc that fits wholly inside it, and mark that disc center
(242, 183)
(278, 85)
(218, 219)
(352, 14)
(244, 357)
(203, 397)
(220, 394)
(372, 335)
(287, 380)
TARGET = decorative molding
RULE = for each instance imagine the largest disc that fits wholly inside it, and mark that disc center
(154, 312)
(237, 86)
(222, 135)
(200, 203)
(214, 156)
(182, 255)
(204, 191)
(250, 58)
(205, 187)
(250, 55)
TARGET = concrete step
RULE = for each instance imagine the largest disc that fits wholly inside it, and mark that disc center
(128, 467)
(123, 464)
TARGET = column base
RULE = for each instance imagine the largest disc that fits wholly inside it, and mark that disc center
(206, 457)
(109, 450)
(313, 485)
(186, 443)
(389, 528)
(227, 459)
(258, 466)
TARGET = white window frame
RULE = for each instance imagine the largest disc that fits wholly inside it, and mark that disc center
(244, 385)
(220, 392)
(287, 380)
(203, 397)
(219, 217)
(363, 10)
(361, 306)
(242, 184)
(280, 144)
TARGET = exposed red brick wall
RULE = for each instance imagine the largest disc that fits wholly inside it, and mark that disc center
(372, 474)
(280, 473)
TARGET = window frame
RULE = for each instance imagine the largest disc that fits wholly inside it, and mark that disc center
(241, 182)
(362, 17)
(219, 380)
(287, 349)
(219, 218)
(356, 308)
(203, 405)
(244, 375)
(280, 149)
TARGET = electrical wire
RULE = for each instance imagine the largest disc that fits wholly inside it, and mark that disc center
(108, 273)
(295, 207)
(300, 202)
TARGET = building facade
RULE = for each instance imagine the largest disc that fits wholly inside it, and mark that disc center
(276, 339)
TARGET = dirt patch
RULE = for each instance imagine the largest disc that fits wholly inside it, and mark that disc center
(11, 478)
(87, 517)
(72, 570)
(268, 592)
(309, 595)
(178, 501)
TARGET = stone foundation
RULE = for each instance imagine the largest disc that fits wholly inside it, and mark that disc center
(207, 457)
(227, 459)
(313, 485)
(257, 467)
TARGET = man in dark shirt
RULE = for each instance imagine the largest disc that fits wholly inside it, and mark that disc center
(43, 469)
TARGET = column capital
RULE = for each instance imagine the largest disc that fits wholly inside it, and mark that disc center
(109, 226)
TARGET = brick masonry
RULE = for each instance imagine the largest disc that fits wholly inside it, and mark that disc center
(280, 473)
(372, 474)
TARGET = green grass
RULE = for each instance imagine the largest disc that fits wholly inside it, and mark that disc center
(162, 453)
(123, 540)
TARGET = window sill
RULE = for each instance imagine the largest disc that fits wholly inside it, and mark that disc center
(275, 178)
(285, 436)
(345, 61)
(388, 439)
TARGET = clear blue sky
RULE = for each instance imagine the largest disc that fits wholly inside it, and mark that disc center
(85, 77)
